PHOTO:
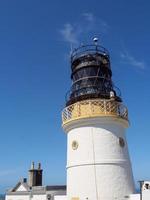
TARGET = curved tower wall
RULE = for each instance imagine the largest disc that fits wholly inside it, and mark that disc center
(99, 167)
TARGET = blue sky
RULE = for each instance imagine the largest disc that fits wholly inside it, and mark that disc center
(35, 41)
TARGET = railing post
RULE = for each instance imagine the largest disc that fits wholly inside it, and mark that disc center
(104, 102)
(78, 109)
(90, 108)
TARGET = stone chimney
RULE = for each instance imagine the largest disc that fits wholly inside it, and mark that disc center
(35, 175)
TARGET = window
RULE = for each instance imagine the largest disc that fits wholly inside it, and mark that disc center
(75, 145)
(121, 142)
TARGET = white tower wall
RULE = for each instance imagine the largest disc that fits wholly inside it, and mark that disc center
(98, 167)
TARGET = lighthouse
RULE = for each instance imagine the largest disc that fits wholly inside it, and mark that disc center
(95, 121)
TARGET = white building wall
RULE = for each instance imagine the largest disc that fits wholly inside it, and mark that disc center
(34, 197)
(135, 197)
(17, 197)
(26, 197)
(99, 168)
(60, 197)
(146, 195)
(39, 197)
(146, 190)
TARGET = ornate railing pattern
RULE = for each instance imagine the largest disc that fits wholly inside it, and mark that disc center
(94, 108)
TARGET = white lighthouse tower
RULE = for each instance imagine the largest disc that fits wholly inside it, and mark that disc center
(95, 120)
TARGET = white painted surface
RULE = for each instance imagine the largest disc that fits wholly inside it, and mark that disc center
(39, 197)
(146, 190)
(34, 197)
(17, 197)
(146, 195)
(60, 197)
(135, 197)
(21, 188)
(27, 197)
(100, 168)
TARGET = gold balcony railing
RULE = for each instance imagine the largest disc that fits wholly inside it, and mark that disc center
(94, 108)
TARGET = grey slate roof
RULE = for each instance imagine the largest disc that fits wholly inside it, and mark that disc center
(54, 189)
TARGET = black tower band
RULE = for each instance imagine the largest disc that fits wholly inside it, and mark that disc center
(91, 74)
